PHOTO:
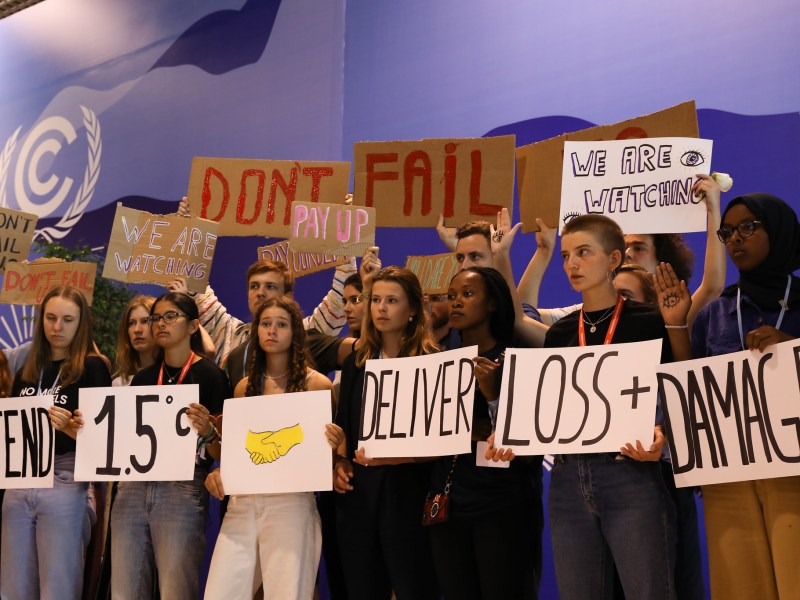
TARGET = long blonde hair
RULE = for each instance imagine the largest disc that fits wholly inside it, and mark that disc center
(417, 338)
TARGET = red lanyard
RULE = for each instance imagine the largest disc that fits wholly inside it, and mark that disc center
(611, 326)
(184, 370)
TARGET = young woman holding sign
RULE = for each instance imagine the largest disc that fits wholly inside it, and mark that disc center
(612, 509)
(160, 526)
(274, 538)
(753, 527)
(46, 531)
(381, 538)
(488, 507)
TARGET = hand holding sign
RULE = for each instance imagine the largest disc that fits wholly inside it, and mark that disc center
(652, 454)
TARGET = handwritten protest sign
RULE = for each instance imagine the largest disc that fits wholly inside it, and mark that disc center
(16, 235)
(734, 417)
(150, 248)
(300, 263)
(644, 185)
(418, 406)
(434, 272)
(539, 164)
(574, 400)
(277, 444)
(28, 282)
(255, 197)
(335, 229)
(411, 183)
(28, 442)
(137, 433)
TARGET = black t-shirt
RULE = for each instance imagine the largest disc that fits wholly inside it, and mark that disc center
(95, 374)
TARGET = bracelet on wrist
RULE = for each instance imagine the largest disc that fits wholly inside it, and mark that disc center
(676, 326)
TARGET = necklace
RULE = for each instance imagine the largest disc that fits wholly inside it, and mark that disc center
(171, 378)
(594, 325)
(274, 378)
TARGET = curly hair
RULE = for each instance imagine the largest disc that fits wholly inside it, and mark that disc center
(417, 338)
(128, 363)
(501, 319)
(672, 248)
(299, 361)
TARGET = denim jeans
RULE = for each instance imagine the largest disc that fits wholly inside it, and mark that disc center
(606, 512)
(45, 535)
(158, 526)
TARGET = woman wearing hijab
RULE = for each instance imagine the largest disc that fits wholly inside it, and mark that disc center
(753, 527)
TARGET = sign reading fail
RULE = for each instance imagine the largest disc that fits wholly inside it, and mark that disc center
(434, 272)
(412, 182)
(28, 442)
(16, 235)
(255, 197)
(335, 229)
(539, 165)
(576, 400)
(28, 283)
(147, 248)
(418, 406)
(136, 433)
(734, 417)
(644, 185)
(300, 263)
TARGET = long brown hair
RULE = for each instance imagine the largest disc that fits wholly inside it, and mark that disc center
(128, 363)
(81, 345)
(6, 376)
(417, 338)
(299, 361)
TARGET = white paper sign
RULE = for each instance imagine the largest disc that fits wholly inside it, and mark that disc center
(576, 400)
(418, 406)
(643, 184)
(136, 433)
(734, 417)
(26, 457)
(276, 444)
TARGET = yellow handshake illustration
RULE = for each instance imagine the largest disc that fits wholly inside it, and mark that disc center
(269, 446)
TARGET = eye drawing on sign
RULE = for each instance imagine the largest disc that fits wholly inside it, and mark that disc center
(692, 158)
(269, 446)
(569, 216)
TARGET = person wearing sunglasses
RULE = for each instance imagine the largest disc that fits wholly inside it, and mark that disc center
(753, 527)
(159, 526)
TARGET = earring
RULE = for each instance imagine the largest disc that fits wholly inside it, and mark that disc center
(410, 319)
(610, 276)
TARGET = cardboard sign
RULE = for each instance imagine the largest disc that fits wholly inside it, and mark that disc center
(28, 283)
(16, 235)
(147, 248)
(334, 229)
(576, 400)
(412, 182)
(137, 433)
(434, 272)
(644, 185)
(276, 444)
(300, 263)
(255, 197)
(28, 443)
(418, 406)
(539, 164)
(734, 417)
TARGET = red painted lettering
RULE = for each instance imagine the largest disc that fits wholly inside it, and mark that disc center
(412, 170)
(373, 175)
(206, 195)
(289, 190)
(475, 206)
(240, 206)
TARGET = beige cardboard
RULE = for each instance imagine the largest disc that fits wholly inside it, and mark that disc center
(16, 235)
(539, 164)
(335, 229)
(434, 272)
(300, 263)
(148, 248)
(254, 197)
(411, 183)
(28, 282)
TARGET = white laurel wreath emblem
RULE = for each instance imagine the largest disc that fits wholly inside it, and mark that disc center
(86, 191)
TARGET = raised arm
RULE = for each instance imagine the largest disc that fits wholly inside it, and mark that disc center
(328, 317)
(529, 285)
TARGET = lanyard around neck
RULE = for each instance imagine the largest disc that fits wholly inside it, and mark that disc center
(784, 306)
(41, 377)
(184, 370)
(612, 326)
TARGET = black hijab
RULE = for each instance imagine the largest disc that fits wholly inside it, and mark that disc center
(766, 284)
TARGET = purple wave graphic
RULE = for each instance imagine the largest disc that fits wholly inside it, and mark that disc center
(224, 40)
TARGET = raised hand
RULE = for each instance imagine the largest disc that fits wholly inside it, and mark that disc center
(674, 300)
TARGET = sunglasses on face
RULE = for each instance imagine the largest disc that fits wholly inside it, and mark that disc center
(745, 229)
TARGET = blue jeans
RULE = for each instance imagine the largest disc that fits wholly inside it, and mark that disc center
(606, 512)
(159, 526)
(45, 535)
